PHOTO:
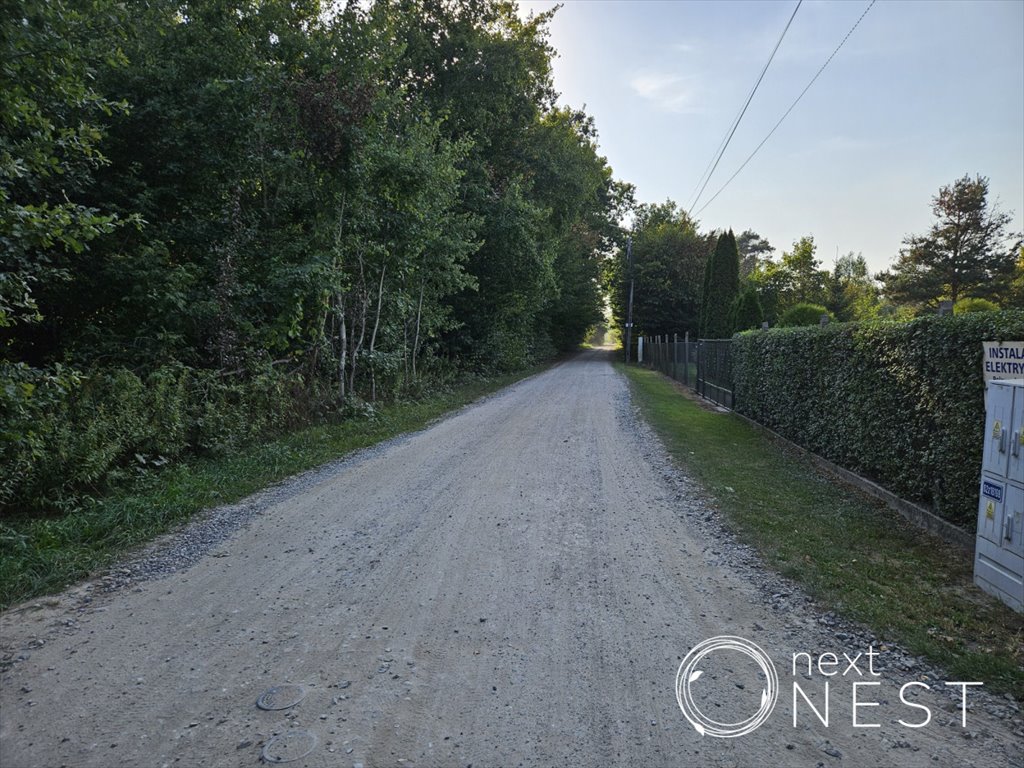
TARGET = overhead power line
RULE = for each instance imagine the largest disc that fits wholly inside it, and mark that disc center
(736, 123)
(791, 106)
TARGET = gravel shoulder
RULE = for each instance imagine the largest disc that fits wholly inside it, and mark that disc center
(516, 585)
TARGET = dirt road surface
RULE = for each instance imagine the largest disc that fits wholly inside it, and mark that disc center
(515, 586)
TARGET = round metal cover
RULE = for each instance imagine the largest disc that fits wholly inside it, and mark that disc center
(281, 697)
(288, 746)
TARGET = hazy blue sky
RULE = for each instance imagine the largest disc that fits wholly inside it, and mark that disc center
(921, 93)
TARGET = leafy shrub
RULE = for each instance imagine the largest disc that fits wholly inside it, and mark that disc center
(803, 314)
(974, 305)
(29, 398)
(66, 434)
(902, 403)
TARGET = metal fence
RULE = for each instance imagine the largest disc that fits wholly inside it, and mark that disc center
(714, 366)
(704, 365)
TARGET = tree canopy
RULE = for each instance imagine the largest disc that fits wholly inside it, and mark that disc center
(969, 252)
(231, 186)
(668, 260)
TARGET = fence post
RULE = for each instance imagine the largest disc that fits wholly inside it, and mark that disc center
(686, 359)
(700, 388)
(675, 356)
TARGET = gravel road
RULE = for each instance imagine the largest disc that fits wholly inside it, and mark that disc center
(515, 586)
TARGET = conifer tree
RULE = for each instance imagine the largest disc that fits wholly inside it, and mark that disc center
(721, 285)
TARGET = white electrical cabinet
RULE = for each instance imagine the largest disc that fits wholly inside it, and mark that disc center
(999, 551)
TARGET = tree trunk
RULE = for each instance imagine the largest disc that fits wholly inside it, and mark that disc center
(373, 336)
(357, 345)
(416, 337)
(342, 348)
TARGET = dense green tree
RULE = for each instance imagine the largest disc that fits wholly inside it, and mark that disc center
(968, 252)
(754, 250)
(806, 279)
(850, 291)
(316, 187)
(668, 259)
(230, 217)
(796, 278)
(746, 313)
(488, 73)
(721, 287)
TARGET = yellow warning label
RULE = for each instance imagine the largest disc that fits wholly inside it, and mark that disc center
(990, 510)
(997, 428)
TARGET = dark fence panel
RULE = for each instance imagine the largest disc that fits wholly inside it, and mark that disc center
(714, 370)
(672, 356)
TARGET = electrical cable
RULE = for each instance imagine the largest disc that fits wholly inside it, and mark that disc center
(736, 124)
(791, 106)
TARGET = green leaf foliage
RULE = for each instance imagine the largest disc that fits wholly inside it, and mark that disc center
(974, 305)
(901, 403)
(746, 312)
(970, 251)
(803, 313)
(668, 258)
(228, 218)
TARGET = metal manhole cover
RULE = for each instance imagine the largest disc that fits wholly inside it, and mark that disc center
(288, 746)
(281, 697)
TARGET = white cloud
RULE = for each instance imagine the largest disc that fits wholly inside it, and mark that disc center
(672, 93)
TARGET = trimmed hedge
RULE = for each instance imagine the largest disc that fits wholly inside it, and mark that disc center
(901, 403)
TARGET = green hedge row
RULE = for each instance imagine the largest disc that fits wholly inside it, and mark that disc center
(66, 434)
(901, 403)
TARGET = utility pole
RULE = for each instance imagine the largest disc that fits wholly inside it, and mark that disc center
(629, 305)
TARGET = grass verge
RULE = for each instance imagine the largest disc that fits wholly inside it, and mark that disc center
(42, 555)
(849, 551)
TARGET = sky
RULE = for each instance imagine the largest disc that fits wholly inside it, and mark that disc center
(920, 94)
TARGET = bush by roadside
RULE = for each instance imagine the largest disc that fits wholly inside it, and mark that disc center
(66, 435)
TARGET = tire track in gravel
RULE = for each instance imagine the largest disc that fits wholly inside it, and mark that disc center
(514, 586)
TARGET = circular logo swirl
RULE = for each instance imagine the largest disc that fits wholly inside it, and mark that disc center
(688, 674)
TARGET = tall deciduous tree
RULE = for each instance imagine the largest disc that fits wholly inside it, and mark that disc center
(968, 252)
(851, 292)
(668, 258)
(754, 250)
(796, 278)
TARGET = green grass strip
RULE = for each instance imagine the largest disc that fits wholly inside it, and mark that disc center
(39, 556)
(850, 552)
